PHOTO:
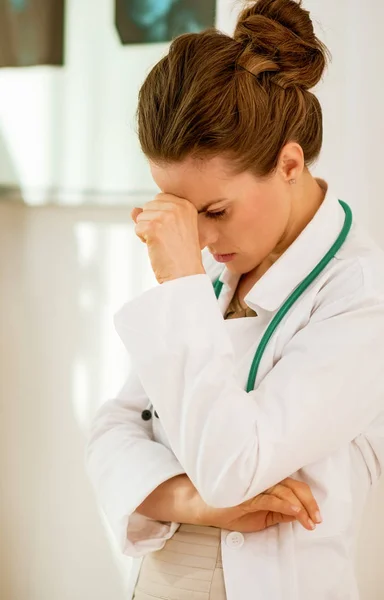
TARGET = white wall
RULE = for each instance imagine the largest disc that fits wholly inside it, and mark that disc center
(64, 273)
(73, 127)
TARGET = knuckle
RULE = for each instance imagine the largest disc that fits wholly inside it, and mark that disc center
(304, 487)
(145, 227)
(293, 500)
(169, 215)
(288, 481)
(265, 500)
(273, 503)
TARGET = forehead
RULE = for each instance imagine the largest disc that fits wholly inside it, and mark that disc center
(195, 180)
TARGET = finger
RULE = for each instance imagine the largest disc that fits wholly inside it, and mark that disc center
(169, 203)
(275, 518)
(152, 215)
(281, 505)
(135, 212)
(160, 204)
(287, 495)
(148, 229)
(304, 493)
(169, 200)
(258, 521)
(141, 230)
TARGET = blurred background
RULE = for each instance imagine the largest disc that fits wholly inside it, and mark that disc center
(70, 172)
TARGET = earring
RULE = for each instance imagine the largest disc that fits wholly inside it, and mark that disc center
(292, 181)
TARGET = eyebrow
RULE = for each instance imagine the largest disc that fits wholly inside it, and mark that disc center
(212, 203)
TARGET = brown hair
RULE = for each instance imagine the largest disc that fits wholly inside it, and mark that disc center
(243, 97)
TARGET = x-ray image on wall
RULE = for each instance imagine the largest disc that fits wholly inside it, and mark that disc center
(146, 21)
(31, 33)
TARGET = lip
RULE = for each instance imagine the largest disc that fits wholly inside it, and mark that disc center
(224, 258)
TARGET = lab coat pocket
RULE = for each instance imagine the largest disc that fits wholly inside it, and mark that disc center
(337, 518)
(330, 484)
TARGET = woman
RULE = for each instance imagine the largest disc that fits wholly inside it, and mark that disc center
(228, 425)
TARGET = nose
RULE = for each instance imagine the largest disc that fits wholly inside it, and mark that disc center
(208, 235)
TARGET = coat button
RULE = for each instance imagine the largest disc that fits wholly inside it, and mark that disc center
(146, 415)
(234, 539)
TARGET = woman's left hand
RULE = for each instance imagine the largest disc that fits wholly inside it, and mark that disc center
(168, 225)
(288, 501)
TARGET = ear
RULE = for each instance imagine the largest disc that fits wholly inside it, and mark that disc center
(291, 162)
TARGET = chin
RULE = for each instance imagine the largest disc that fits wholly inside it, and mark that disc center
(234, 269)
(241, 269)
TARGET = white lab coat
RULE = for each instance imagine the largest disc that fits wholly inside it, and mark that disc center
(316, 414)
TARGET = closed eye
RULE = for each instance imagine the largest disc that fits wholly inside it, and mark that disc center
(216, 215)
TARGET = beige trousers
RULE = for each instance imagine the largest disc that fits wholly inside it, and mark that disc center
(189, 567)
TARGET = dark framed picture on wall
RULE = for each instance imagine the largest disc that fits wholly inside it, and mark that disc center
(31, 33)
(151, 21)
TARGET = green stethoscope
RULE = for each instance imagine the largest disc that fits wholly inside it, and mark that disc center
(299, 291)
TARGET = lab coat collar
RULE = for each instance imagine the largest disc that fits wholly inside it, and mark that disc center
(275, 286)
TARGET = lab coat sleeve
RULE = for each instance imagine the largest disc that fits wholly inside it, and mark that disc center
(323, 392)
(125, 465)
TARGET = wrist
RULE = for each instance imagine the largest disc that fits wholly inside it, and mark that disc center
(198, 270)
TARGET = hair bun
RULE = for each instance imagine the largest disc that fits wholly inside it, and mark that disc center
(278, 38)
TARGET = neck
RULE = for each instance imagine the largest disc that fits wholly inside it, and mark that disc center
(306, 200)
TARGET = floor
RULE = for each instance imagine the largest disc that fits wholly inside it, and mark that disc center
(64, 273)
